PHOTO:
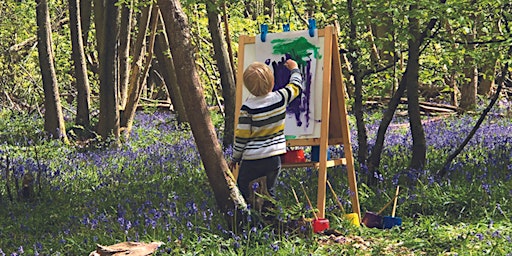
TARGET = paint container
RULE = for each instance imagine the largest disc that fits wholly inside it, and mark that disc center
(389, 222)
(372, 220)
(320, 225)
(315, 154)
(293, 156)
(353, 218)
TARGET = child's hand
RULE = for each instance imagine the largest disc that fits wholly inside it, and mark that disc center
(291, 64)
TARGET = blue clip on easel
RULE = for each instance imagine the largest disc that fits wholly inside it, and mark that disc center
(264, 31)
(312, 27)
(286, 27)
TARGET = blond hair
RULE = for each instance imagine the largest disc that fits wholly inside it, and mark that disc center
(258, 79)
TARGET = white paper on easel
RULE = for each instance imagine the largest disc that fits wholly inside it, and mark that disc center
(305, 50)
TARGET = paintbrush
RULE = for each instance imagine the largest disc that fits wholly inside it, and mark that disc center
(336, 197)
(309, 202)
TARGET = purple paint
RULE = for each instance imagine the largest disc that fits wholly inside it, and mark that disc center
(281, 78)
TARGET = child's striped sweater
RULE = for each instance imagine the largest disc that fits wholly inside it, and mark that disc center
(260, 130)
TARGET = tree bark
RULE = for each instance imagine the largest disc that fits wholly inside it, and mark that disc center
(106, 37)
(85, 19)
(226, 192)
(468, 88)
(125, 29)
(80, 65)
(166, 68)
(53, 117)
(226, 73)
(138, 78)
(419, 147)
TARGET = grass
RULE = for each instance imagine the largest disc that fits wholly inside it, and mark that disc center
(154, 188)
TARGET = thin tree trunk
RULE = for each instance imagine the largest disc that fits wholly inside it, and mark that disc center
(138, 83)
(226, 73)
(419, 147)
(362, 137)
(124, 52)
(53, 117)
(166, 68)
(78, 56)
(136, 66)
(451, 78)
(106, 37)
(228, 40)
(226, 192)
(85, 19)
(469, 86)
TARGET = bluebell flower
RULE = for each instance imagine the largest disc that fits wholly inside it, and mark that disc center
(274, 247)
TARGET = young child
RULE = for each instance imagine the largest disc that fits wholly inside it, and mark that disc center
(259, 136)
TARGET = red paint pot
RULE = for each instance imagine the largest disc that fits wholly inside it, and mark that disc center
(319, 225)
(389, 222)
(372, 220)
(293, 156)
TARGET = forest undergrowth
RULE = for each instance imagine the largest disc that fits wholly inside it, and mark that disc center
(154, 188)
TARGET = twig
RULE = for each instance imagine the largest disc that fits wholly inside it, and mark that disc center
(7, 174)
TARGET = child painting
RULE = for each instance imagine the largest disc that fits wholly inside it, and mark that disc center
(259, 135)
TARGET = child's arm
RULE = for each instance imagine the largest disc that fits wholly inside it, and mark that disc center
(295, 84)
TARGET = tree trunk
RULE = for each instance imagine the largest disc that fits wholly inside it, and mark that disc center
(106, 36)
(468, 89)
(451, 78)
(362, 137)
(138, 79)
(226, 192)
(125, 29)
(85, 19)
(78, 56)
(268, 9)
(53, 117)
(419, 147)
(226, 74)
(166, 68)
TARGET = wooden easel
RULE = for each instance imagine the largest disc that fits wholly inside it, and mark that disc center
(334, 127)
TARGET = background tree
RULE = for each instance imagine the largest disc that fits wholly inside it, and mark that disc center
(78, 57)
(419, 147)
(53, 118)
(225, 72)
(105, 20)
(143, 53)
(125, 32)
(165, 67)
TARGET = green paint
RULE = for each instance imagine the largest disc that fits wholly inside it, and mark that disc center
(299, 48)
